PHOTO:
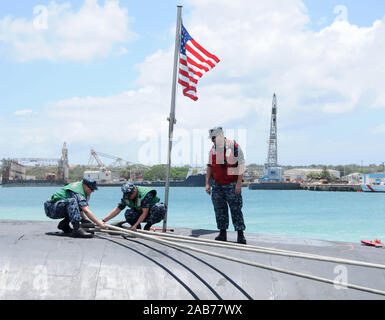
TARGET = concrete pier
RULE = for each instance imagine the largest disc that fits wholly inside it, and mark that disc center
(37, 265)
(332, 187)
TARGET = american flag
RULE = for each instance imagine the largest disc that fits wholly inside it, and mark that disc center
(194, 61)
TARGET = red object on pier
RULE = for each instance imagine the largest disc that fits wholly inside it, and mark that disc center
(375, 243)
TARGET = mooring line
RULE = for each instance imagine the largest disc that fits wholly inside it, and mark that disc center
(189, 290)
(214, 268)
(216, 294)
(282, 253)
(303, 275)
(252, 248)
(115, 232)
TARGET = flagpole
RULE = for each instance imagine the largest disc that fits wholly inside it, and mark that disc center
(171, 118)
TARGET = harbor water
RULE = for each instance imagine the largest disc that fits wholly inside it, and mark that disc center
(336, 216)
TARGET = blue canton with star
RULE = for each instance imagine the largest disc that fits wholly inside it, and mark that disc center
(185, 37)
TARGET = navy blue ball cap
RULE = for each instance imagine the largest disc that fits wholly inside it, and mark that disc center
(90, 183)
(128, 188)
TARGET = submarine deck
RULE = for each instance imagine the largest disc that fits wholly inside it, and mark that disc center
(37, 265)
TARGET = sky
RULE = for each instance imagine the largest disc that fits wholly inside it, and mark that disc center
(98, 74)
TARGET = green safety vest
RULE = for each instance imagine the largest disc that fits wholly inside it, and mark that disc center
(62, 193)
(136, 204)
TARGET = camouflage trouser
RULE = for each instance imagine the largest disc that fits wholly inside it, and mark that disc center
(223, 196)
(67, 208)
(155, 214)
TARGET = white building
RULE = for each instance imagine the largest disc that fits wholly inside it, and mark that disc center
(301, 173)
(353, 178)
(101, 176)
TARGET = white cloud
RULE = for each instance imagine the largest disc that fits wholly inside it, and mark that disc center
(264, 47)
(380, 101)
(57, 32)
(105, 119)
(122, 51)
(23, 112)
(379, 129)
(322, 21)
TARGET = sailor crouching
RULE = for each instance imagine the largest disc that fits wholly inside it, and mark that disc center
(70, 203)
(143, 206)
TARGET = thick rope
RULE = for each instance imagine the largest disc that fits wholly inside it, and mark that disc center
(286, 253)
(303, 275)
(265, 250)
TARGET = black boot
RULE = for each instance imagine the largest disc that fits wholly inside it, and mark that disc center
(84, 223)
(222, 235)
(81, 233)
(64, 225)
(147, 226)
(241, 237)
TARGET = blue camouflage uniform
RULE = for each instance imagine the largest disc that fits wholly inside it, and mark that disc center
(67, 208)
(224, 196)
(155, 214)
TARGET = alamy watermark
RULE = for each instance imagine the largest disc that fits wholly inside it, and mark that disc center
(40, 22)
(188, 146)
(342, 13)
(341, 280)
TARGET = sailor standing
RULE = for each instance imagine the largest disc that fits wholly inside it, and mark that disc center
(226, 167)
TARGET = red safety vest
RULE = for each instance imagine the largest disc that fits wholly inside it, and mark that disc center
(223, 163)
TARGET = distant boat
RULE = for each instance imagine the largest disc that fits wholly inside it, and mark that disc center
(275, 186)
(373, 187)
(194, 178)
(374, 182)
(33, 183)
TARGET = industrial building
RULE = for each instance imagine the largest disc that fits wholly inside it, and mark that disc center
(100, 176)
(14, 171)
(300, 174)
(353, 178)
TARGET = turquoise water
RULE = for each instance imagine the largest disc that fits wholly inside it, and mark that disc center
(341, 216)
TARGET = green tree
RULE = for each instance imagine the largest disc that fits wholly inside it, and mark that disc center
(178, 173)
(159, 172)
(313, 176)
